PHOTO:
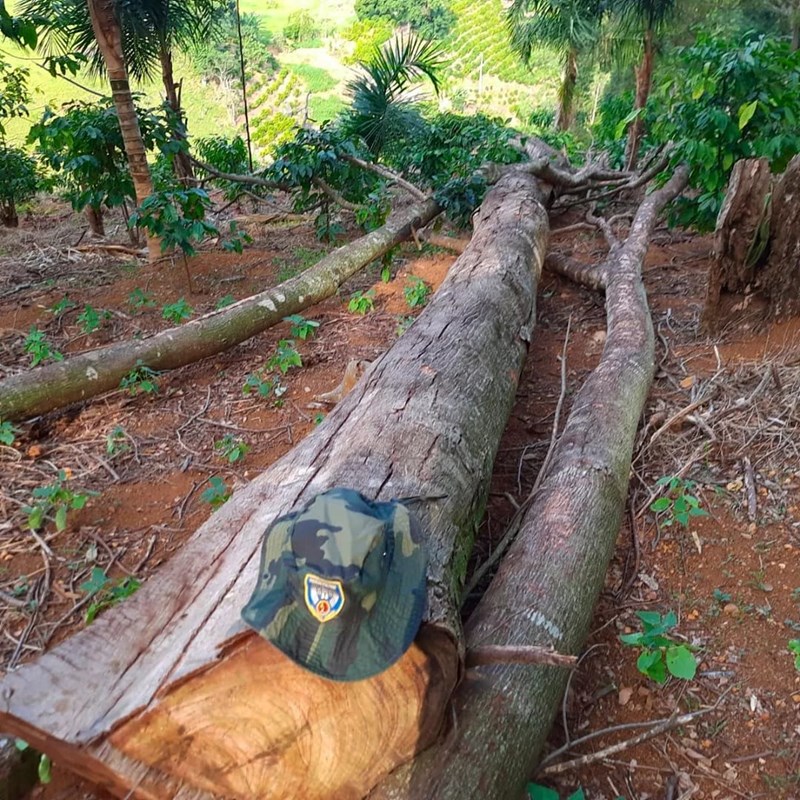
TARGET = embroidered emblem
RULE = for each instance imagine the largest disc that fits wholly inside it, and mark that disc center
(324, 599)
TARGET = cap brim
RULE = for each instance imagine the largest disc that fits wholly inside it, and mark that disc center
(356, 644)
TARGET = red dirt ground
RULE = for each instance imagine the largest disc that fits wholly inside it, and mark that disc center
(151, 490)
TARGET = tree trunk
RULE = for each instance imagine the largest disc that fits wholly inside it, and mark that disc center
(165, 696)
(756, 242)
(89, 374)
(546, 588)
(94, 216)
(644, 80)
(8, 211)
(182, 163)
(109, 40)
(566, 92)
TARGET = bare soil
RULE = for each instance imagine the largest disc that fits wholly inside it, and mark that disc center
(733, 581)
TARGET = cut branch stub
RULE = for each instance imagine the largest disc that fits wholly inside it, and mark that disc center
(166, 696)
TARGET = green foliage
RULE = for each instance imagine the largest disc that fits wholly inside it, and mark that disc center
(231, 449)
(106, 592)
(677, 503)
(90, 320)
(725, 101)
(432, 19)
(300, 27)
(139, 299)
(140, 380)
(367, 35)
(403, 324)
(62, 306)
(316, 79)
(8, 433)
(38, 347)
(55, 497)
(116, 443)
(361, 302)
(177, 312)
(285, 357)
(538, 792)
(302, 328)
(45, 765)
(258, 383)
(237, 239)
(794, 648)
(217, 493)
(659, 653)
(460, 197)
(225, 154)
(224, 302)
(19, 180)
(177, 217)
(14, 94)
(416, 292)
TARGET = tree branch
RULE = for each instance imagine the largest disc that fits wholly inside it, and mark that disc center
(388, 174)
(248, 180)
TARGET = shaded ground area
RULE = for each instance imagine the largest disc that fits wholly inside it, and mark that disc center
(723, 415)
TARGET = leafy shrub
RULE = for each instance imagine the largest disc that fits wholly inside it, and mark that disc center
(725, 101)
(432, 19)
(367, 35)
(19, 181)
(300, 27)
(226, 155)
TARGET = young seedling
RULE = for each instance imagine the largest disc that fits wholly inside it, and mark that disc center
(285, 357)
(417, 292)
(62, 306)
(224, 302)
(90, 320)
(255, 383)
(659, 653)
(139, 299)
(116, 443)
(538, 792)
(302, 328)
(55, 497)
(37, 346)
(217, 493)
(794, 649)
(237, 239)
(140, 380)
(105, 592)
(177, 312)
(361, 302)
(677, 504)
(232, 449)
(8, 433)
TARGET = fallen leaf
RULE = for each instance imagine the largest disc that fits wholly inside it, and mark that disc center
(625, 694)
(688, 382)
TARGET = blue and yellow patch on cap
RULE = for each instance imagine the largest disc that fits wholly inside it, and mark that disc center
(324, 598)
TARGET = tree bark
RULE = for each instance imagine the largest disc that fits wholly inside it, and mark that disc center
(89, 374)
(546, 588)
(566, 92)
(182, 164)
(644, 80)
(757, 241)
(164, 696)
(8, 211)
(109, 40)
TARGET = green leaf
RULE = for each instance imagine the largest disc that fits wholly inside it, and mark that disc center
(746, 112)
(97, 581)
(577, 794)
(662, 504)
(681, 662)
(538, 792)
(649, 618)
(21, 745)
(61, 517)
(632, 639)
(45, 769)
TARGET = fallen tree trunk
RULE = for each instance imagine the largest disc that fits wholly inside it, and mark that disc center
(164, 696)
(89, 374)
(546, 588)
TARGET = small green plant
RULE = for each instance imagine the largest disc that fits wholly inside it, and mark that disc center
(538, 792)
(660, 654)
(232, 449)
(302, 328)
(417, 292)
(45, 767)
(90, 320)
(55, 497)
(116, 443)
(318, 418)
(177, 312)
(677, 504)
(139, 299)
(361, 302)
(256, 384)
(38, 347)
(140, 380)
(237, 239)
(403, 324)
(794, 649)
(8, 433)
(285, 357)
(62, 306)
(106, 592)
(217, 493)
(224, 302)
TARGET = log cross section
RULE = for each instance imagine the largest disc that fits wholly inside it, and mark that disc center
(166, 696)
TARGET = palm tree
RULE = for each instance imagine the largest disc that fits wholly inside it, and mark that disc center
(150, 31)
(570, 26)
(382, 105)
(108, 35)
(646, 18)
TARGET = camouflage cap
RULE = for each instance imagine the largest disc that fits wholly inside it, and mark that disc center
(341, 588)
